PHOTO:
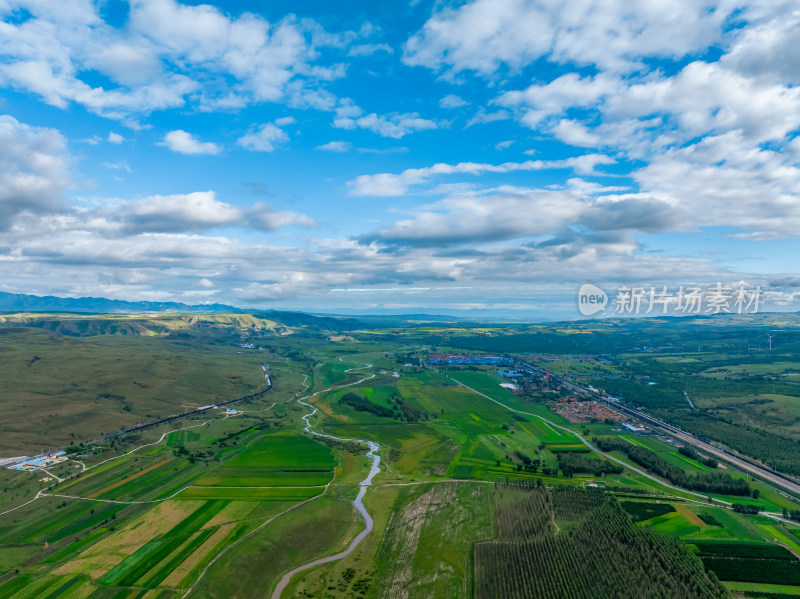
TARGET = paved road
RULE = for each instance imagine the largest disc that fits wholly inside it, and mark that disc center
(589, 445)
(780, 480)
(705, 446)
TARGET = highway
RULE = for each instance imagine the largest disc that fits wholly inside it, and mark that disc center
(747, 465)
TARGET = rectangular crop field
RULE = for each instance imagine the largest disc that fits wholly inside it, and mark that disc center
(742, 549)
(642, 510)
(749, 561)
(763, 590)
(774, 571)
(282, 459)
(250, 494)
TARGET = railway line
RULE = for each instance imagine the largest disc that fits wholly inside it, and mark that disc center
(746, 464)
(145, 425)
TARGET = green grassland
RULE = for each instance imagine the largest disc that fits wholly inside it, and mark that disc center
(352, 575)
(252, 496)
(737, 547)
(206, 326)
(55, 539)
(279, 459)
(156, 543)
(423, 531)
(437, 524)
(642, 510)
(380, 395)
(330, 373)
(252, 567)
(725, 363)
(752, 589)
(558, 543)
(212, 467)
(76, 389)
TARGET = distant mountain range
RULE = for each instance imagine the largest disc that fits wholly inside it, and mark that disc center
(91, 316)
(18, 302)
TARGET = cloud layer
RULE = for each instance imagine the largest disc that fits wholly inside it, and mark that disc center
(544, 144)
(165, 56)
(34, 170)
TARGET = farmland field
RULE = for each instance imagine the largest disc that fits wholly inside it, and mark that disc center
(318, 527)
(283, 459)
(223, 504)
(544, 562)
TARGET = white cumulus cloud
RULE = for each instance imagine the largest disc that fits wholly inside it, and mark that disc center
(336, 146)
(263, 138)
(483, 35)
(184, 142)
(34, 170)
(389, 184)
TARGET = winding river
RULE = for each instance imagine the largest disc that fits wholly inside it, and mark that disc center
(358, 503)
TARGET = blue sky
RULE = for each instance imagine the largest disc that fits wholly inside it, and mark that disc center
(478, 158)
